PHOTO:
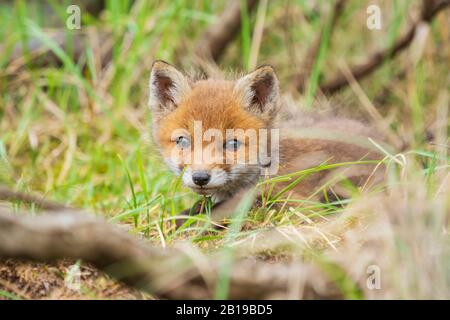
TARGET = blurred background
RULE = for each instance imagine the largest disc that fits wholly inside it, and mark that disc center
(74, 122)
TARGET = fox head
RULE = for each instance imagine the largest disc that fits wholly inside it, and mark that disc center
(213, 132)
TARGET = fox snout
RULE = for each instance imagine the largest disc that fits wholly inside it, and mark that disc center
(201, 178)
(205, 180)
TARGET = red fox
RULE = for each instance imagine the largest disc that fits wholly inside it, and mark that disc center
(206, 130)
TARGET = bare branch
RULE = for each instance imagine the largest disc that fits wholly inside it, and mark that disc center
(216, 38)
(167, 273)
(430, 8)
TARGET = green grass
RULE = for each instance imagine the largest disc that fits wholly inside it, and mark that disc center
(245, 34)
(8, 295)
(222, 287)
(78, 132)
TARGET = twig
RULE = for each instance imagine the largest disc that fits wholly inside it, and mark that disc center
(430, 8)
(216, 38)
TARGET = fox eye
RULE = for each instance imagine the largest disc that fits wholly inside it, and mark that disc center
(232, 145)
(183, 142)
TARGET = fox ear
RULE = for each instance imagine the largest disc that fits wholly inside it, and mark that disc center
(167, 87)
(259, 90)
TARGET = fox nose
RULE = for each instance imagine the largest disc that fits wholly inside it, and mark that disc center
(201, 178)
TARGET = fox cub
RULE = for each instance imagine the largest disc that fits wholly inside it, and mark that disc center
(222, 136)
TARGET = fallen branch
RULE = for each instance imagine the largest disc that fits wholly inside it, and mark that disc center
(9, 195)
(215, 39)
(430, 8)
(166, 273)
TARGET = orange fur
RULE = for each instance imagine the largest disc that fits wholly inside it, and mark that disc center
(252, 102)
(213, 103)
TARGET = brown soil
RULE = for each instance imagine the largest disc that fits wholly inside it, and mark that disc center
(25, 280)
